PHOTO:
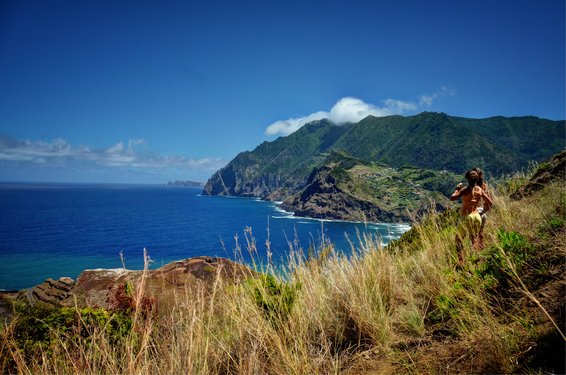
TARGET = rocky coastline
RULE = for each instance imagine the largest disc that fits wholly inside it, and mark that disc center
(333, 193)
(98, 287)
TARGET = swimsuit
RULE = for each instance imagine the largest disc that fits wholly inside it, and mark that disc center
(470, 224)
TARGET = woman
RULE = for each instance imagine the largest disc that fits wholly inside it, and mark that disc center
(470, 216)
(482, 210)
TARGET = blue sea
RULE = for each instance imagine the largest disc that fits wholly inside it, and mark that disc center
(54, 230)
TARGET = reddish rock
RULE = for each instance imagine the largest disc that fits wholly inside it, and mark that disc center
(99, 287)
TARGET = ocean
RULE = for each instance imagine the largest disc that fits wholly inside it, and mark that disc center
(54, 230)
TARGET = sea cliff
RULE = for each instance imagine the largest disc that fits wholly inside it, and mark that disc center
(435, 145)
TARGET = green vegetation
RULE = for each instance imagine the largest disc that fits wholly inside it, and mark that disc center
(40, 329)
(512, 249)
(433, 141)
(274, 297)
(412, 307)
(369, 186)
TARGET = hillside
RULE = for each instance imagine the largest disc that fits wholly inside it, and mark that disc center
(439, 141)
(433, 141)
(276, 167)
(412, 307)
(348, 188)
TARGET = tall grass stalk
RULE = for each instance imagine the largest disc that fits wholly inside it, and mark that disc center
(316, 317)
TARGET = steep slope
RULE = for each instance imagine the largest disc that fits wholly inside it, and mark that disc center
(433, 141)
(347, 188)
(530, 137)
(281, 165)
(553, 170)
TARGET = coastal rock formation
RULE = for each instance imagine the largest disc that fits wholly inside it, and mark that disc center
(181, 183)
(322, 198)
(347, 188)
(279, 168)
(233, 181)
(53, 292)
(98, 287)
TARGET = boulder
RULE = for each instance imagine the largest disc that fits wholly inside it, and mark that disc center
(98, 287)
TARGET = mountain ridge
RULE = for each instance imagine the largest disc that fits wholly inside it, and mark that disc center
(432, 141)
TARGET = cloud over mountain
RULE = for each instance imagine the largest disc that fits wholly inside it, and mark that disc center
(350, 109)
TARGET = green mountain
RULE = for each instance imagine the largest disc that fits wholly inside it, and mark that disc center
(438, 141)
(434, 142)
(280, 166)
(348, 188)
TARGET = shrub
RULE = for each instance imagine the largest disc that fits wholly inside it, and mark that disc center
(273, 297)
(123, 302)
(40, 327)
(512, 249)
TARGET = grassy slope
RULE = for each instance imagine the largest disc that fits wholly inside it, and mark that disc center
(396, 189)
(409, 308)
(349, 188)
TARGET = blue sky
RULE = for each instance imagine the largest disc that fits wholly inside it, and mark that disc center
(146, 92)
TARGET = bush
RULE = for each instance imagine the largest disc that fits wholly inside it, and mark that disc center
(36, 329)
(512, 249)
(274, 298)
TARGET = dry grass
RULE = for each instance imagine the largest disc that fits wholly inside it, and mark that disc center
(413, 300)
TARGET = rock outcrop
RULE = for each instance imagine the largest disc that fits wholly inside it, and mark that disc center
(276, 169)
(553, 170)
(98, 287)
(348, 189)
(52, 292)
(234, 181)
(322, 198)
(181, 183)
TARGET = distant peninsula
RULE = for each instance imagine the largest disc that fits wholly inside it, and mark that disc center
(180, 183)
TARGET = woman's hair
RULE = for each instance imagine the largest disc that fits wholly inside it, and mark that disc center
(474, 177)
(478, 171)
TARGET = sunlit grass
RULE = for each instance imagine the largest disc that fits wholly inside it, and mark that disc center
(317, 313)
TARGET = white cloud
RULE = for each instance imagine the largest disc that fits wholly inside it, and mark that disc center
(286, 127)
(427, 100)
(116, 149)
(349, 109)
(60, 153)
(135, 142)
